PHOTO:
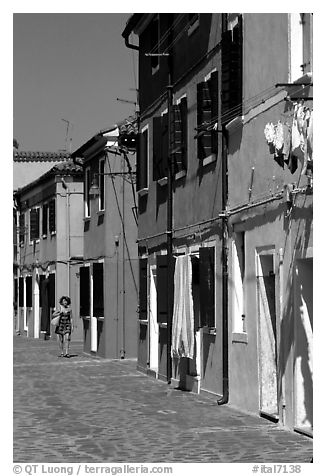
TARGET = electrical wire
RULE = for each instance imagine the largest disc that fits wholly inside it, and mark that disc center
(165, 35)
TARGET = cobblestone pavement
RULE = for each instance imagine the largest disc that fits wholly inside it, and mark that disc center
(86, 409)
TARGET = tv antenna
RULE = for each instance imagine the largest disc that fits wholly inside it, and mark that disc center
(69, 126)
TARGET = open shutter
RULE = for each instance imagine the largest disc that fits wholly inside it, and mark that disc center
(162, 287)
(165, 145)
(184, 131)
(45, 219)
(232, 72)
(84, 291)
(143, 288)
(213, 88)
(16, 292)
(52, 290)
(157, 151)
(52, 218)
(98, 290)
(177, 138)
(207, 286)
(40, 284)
(34, 224)
(142, 161)
(21, 292)
(204, 141)
(29, 291)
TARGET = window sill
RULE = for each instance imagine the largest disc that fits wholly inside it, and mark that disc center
(143, 321)
(100, 212)
(209, 160)
(44, 237)
(53, 233)
(143, 191)
(241, 337)
(180, 175)
(85, 317)
(163, 181)
(163, 325)
(86, 218)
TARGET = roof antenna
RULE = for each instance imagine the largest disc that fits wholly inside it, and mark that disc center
(69, 124)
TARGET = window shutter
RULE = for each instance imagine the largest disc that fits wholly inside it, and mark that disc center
(165, 145)
(45, 219)
(34, 224)
(98, 290)
(177, 138)
(232, 72)
(40, 283)
(84, 291)
(162, 287)
(29, 291)
(22, 228)
(207, 286)
(142, 161)
(213, 88)
(21, 292)
(184, 131)
(157, 158)
(203, 116)
(143, 288)
(52, 290)
(16, 292)
(52, 216)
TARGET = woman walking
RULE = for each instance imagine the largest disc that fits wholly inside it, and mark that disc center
(65, 325)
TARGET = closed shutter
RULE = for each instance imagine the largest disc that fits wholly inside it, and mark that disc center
(180, 135)
(29, 291)
(21, 292)
(52, 290)
(16, 292)
(184, 130)
(34, 224)
(98, 290)
(165, 145)
(207, 286)
(143, 288)
(84, 291)
(45, 219)
(52, 216)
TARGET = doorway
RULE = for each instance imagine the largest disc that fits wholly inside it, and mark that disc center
(153, 325)
(267, 335)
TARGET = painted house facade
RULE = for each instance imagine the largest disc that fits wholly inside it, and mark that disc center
(224, 183)
(108, 277)
(49, 214)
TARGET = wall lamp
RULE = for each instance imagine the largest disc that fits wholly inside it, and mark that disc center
(94, 190)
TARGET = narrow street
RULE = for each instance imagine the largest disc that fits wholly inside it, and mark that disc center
(85, 409)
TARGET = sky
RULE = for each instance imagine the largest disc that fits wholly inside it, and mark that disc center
(70, 66)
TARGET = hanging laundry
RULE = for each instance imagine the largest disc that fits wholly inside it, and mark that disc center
(278, 138)
(309, 136)
(287, 142)
(269, 132)
(183, 310)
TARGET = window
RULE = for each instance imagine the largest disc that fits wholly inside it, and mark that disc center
(180, 135)
(21, 228)
(52, 216)
(87, 185)
(98, 290)
(45, 220)
(143, 288)
(101, 184)
(142, 160)
(84, 291)
(300, 44)
(238, 276)
(29, 291)
(160, 146)
(207, 116)
(34, 224)
(207, 286)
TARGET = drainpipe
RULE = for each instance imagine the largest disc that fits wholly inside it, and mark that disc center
(225, 324)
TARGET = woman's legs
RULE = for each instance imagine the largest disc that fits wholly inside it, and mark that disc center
(66, 339)
(60, 340)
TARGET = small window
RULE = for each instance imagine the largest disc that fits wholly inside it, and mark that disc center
(87, 184)
(101, 185)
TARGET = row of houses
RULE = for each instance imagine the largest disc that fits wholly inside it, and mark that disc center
(200, 264)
